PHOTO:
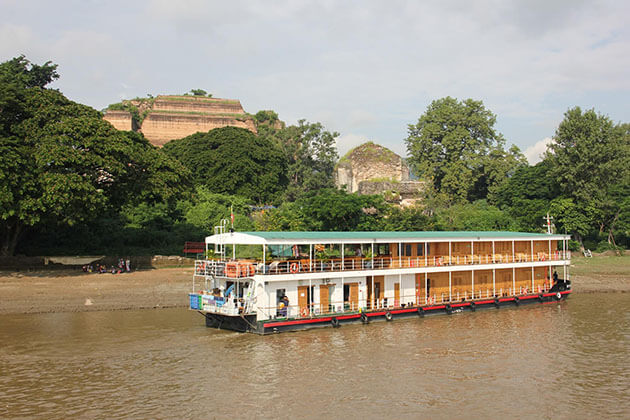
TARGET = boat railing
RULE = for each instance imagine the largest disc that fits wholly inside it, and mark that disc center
(249, 267)
(404, 301)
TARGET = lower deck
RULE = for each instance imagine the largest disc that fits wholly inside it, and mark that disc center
(245, 323)
(256, 304)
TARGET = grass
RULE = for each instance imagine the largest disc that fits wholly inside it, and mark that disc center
(601, 265)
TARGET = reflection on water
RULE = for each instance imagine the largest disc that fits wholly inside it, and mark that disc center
(562, 360)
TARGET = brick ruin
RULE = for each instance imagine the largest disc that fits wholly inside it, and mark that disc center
(170, 117)
(373, 169)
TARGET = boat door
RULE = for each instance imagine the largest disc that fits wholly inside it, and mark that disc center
(351, 296)
(396, 295)
(324, 300)
(420, 292)
(305, 300)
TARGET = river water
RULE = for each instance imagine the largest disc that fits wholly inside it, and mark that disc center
(566, 360)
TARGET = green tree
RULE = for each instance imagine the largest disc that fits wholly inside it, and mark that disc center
(527, 195)
(411, 218)
(206, 210)
(234, 161)
(589, 156)
(311, 154)
(474, 216)
(455, 147)
(199, 92)
(62, 164)
(337, 210)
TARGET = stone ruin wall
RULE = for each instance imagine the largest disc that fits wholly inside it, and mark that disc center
(203, 105)
(121, 120)
(159, 128)
(171, 117)
(374, 169)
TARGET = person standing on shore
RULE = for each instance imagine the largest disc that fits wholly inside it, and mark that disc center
(128, 265)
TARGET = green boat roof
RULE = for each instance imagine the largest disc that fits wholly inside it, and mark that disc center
(376, 236)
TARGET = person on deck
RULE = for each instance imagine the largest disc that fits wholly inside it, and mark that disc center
(284, 306)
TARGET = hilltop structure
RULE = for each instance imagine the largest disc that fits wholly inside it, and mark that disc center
(170, 117)
(373, 169)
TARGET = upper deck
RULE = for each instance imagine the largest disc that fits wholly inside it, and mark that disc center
(291, 253)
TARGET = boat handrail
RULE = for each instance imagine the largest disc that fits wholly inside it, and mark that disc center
(410, 301)
(248, 267)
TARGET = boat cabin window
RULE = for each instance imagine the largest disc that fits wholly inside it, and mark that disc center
(407, 250)
(420, 249)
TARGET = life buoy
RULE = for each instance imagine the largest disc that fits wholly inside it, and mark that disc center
(430, 301)
(231, 269)
(304, 312)
(294, 267)
(388, 316)
(334, 322)
(543, 256)
(438, 262)
(558, 296)
(364, 318)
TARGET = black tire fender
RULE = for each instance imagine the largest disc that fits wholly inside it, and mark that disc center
(449, 308)
(421, 312)
(388, 316)
(472, 306)
(497, 303)
(335, 322)
(558, 295)
(516, 300)
(364, 318)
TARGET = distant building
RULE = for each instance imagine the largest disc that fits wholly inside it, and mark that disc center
(373, 169)
(170, 117)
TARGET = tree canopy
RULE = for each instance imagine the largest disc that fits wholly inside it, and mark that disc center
(61, 163)
(455, 147)
(589, 158)
(231, 160)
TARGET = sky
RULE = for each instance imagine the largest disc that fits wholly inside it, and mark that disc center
(364, 69)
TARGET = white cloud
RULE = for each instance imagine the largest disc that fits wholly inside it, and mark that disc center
(357, 66)
(534, 153)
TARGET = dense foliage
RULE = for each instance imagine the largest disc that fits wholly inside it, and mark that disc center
(231, 160)
(72, 184)
(62, 164)
(455, 147)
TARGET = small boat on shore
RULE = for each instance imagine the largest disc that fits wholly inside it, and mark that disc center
(270, 282)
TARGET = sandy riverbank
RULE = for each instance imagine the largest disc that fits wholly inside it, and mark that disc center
(72, 291)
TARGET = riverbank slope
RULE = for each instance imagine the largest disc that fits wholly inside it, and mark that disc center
(73, 291)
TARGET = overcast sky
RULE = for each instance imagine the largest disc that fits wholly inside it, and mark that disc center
(365, 69)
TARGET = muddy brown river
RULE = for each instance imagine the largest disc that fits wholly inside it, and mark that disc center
(566, 360)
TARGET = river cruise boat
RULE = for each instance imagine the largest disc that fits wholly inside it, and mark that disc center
(269, 282)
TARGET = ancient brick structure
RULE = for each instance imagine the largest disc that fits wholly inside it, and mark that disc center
(169, 117)
(374, 169)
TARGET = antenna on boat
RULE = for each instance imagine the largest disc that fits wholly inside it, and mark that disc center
(549, 224)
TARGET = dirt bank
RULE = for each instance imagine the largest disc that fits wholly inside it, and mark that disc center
(603, 273)
(72, 290)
